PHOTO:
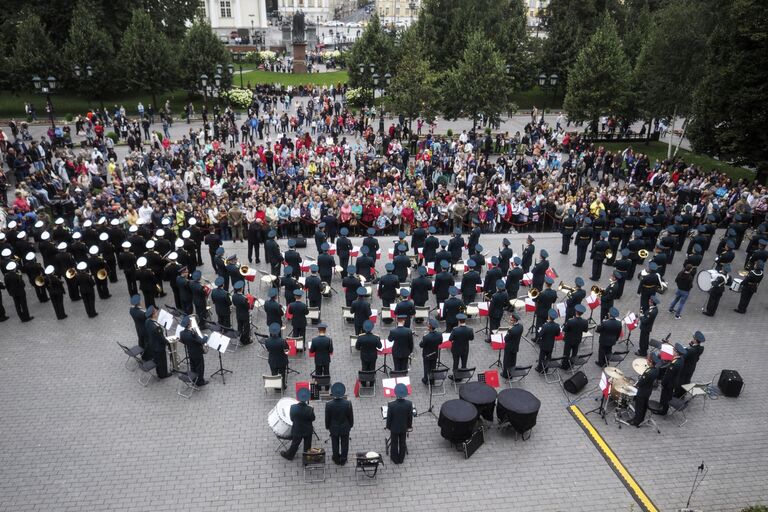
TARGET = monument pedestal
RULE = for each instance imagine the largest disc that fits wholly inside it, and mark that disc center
(299, 56)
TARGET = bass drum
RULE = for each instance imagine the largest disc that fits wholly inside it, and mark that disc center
(704, 279)
(279, 418)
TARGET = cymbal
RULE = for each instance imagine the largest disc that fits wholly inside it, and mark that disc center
(640, 365)
(517, 303)
(626, 389)
(613, 373)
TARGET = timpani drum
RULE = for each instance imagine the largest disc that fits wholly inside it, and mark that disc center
(279, 418)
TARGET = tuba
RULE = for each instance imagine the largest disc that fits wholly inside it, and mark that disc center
(642, 254)
(608, 254)
(101, 274)
(70, 273)
(244, 270)
(39, 281)
(533, 293)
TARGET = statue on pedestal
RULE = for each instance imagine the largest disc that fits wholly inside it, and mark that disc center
(298, 27)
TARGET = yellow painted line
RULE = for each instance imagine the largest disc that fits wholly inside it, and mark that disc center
(626, 478)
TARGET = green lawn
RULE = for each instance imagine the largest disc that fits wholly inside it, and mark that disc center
(269, 77)
(658, 151)
(526, 100)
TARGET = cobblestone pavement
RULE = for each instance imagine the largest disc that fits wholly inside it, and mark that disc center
(79, 432)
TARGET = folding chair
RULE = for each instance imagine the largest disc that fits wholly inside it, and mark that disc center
(367, 378)
(314, 465)
(517, 374)
(579, 361)
(462, 376)
(313, 315)
(186, 387)
(678, 406)
(395, 374)
(552, 370)
(273, 382)
(367, 467)
(421, 312)
(134, 354)
(437, 381)
(146, 368)
(347, 315)
(618, 357)
(352, 342)
(323, 385)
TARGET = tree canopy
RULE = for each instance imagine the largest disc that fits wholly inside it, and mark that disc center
(201, 51)
(375, 46)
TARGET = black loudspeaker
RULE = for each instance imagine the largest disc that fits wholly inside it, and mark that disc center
(301, 242)
(730, 383)
(470, 446)
(575, 383)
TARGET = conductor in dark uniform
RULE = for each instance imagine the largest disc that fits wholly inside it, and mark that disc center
(399, 422)
(583, 239)
(87, 286)
(402, 344)
(599, 249)
(276, 352)
(368, 344)
(545, 337)
(14, 283)
(221, 303)
(573, 331)
(195, 345)
(56, 291)
(749, 286)
(609, 331)
(302, 416)
(139, 317)
(512, 345)
(527, 256)
(429, 348)
(321, 347)
(157, 343)
(339, 420)
(644, 387)
(242, 313)
(460, 338)
(360, 309)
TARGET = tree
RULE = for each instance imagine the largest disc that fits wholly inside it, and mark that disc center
(89, 44)
(670, 64)
(413, 92)
(570, 24)
(146, 57)
(599, 82)
(478, 84)
(446, 27)
(33, 54)
(729, 107)
(374, 46)
(201, 51)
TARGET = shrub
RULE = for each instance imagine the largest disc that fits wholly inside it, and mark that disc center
(238, 97)
(69, 117)
(113, 136)
(449, 132)
(359, 97)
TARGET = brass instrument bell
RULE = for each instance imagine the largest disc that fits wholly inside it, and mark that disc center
(101, 274)
(533, 293)
(596, 290)
(562, 286)
(39, 281)
(642, 253)
(70, 273)
(608, 254)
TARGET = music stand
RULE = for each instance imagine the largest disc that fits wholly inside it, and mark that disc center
(485, 329)
(499, 348)
(431, 405)
(590, 320)
(219, 342)
(600, 409)
(384, 368)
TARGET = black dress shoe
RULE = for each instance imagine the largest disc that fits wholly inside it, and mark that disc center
(575, 265)
(284, 454)
(201, 384)
(598, 364)
(641, 354)
(739, 311)
(3, 319)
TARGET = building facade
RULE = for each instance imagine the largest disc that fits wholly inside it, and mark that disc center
(243, 16)
(398, 12)
(316, 11)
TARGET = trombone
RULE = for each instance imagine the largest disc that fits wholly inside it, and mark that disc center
(562, 286)
(597, 290)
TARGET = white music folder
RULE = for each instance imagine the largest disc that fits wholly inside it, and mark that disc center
(218, 341)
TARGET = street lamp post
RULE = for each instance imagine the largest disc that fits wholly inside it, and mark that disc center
(88, 76)
(46, 88)
(204, 83)
(384, 86)
(548, 82)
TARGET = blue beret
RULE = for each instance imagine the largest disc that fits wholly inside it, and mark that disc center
(613, 312)
(500, 284)
(135, 300)
(402, 248)
(432, 230)
(544, 253)
(479, 248)
(184, 321)
(219, 281)
(404, 292)
(453, 291)
(371, 231)
(461, 316)
(362, 291)
(325, 246)
(196, 275)
(552, 313)
(288, 270)
(291, 242)
(351, 269)
(343, 231)
(272, 292)
(548, 280)
(389, 267)
(517, 261)
(579, 308)
(401, 390)
(238, 285)
(150, 310)
(298, 292)
(423, 271)
(303, 395)
(367, 326)
(219, 251)
(579, 281)
(314, 268)
(274, 328)
(444, 264)
(698, 336)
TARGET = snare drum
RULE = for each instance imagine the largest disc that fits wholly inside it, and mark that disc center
(625, 393)
(279, 418)
(736, 285)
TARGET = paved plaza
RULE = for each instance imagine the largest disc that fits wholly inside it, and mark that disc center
(79, 432)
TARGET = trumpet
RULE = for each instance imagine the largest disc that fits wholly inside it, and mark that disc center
(39, 281)
(70, 273)
(101, 274)
(597, 290)
(642, 254)
(562, 286)
(533, 293)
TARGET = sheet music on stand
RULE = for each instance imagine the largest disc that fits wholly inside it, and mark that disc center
(218, 341)
(192, 324)
(165, 319)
